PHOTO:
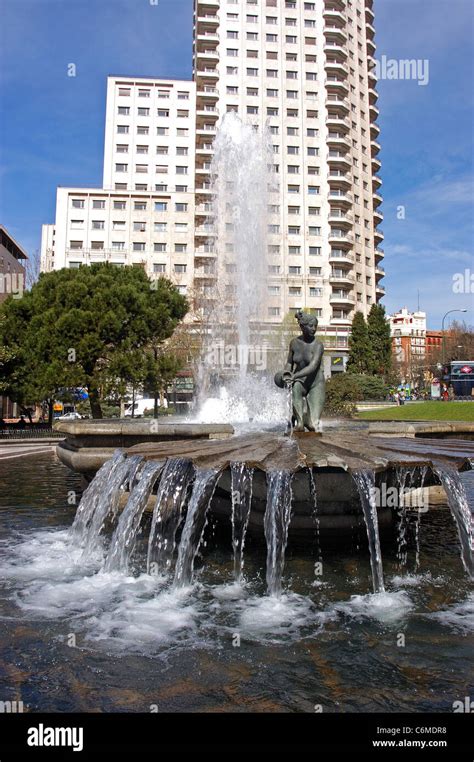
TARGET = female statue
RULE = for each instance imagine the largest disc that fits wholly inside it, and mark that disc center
(304, 373)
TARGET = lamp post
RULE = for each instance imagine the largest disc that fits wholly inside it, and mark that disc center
(442, 331)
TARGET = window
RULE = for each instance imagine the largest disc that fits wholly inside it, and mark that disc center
(121, 148)
(142, 149)
(290, 39)
(313, 190)
(293, 229)
(161, 187)
(138, 246)
(232, 70)
(98, 224)
(273, 269)
(273, 112)
(182, 114)
(181, 188)
(253, 91)
(274, 290)
(232, 90)
(161, 206)
(272, 93)
(139, 227)
(124, 91)
(294, 270)
(294, 250)
(314, 230)
(232, 52)
(252, 36)
(180, 268)
(292, 75)
(160, 227)
(143, 111)
(159, 268)
(163, 112)
(97, 245)
(314, 210)
(311, 132)
(98, 203)
(315, 251)
(122, 129)
(315, 291)
(77, 203)
(120, 204)
(75, 245)
(273, 311)
(141, 168)
(163, 94)
(121, 167)
(311, 75)
(180, 207)
(252, 72)
(180, 248)
(142, 130)
(118, 245)
(181, 227)
(161, 169)
(143, 93)
(272, 73)
(180, 170)
(183, 95)
(272, 37)
(75, 224)
(293, 150)
(141, 187)
(252, 109)
(293, 169)
(182, 132)
(118, 225)
(124, 110)
(159, 247)
(313, 151)
(162, 150)
(315, 271)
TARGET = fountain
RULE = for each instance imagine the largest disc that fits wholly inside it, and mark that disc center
(264, 482)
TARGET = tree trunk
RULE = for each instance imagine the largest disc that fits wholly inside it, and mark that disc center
(94, 400)
(50, 412)
(155, 404)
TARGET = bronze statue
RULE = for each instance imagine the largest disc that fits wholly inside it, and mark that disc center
(303, 372)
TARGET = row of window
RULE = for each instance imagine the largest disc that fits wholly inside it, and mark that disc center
(144, 92)
(144, 149)
(159, 168)
(161, 112)
(142, 129)
(137, 246)
(159, 206)
(137, 227)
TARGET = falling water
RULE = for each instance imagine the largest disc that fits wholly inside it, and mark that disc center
(276, 524)
(171, 498)
(93, 495)
(315, 514)
(203, 489)
(124, 538)
(241, 485)
(402, 540)
(459, 506)
(365, 481)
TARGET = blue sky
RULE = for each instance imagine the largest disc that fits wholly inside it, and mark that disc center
(52, 128)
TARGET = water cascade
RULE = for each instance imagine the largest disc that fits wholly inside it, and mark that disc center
(241, 495)
(461, 512)
(276, 525)
(93, 494)
(173, 491)
(365, 481)
(124, 538)
(203, 489)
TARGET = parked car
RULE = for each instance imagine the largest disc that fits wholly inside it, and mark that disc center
(69, 417)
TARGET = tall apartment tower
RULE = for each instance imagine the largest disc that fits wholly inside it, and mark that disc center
(304, 69)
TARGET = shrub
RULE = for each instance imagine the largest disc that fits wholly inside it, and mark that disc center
(342, 391)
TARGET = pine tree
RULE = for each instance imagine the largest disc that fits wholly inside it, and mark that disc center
(360, 354)
(379, 340)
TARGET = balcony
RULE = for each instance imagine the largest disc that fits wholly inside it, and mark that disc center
(333, 102)
(205, 251)
(337, 66)
(210, 54)
(204, 231)
(204, 149)
(207, 4)
(369, 14)
(205, 37)
(378, 254)
(336, 84)
(340, 197)
(373, 95)
(336, 178)
(341, 317)
(374, 147)
(377, 198)
(372, 76)
(333, 49)
(333, 15)
(374, 130)
(207, 91)
(207, 72)
(340, 237)
(205, 273)
(338, 140)
(335, 33)
(335, 120)
(341, 257)
(370, 29)
(371, 46)
(336, 159)
(342, 297)
(203, 209)
(378, 217)
(378, 235)
(373, 111)
(208, 18)
(376, 164)
(379, 271)
(376, 181)
(380, 289)
(204, 111)
(205, 129)
(341, 276)
(340, 216)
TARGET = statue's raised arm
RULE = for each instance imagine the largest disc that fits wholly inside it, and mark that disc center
(304, 373)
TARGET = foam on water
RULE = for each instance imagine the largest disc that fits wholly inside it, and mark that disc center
(385, 607)
(459, 617)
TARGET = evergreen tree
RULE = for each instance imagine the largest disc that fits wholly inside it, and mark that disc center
(89, 328)
(380, 341)
(360, 355)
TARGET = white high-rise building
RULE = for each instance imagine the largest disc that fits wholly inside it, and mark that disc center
(305, 71)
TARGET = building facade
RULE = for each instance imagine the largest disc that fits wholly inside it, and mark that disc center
(302, 70)
(408, 331)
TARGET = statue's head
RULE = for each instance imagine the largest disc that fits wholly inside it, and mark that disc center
(307, 322)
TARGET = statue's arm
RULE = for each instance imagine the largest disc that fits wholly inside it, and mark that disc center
(313, 365)
(289, 359)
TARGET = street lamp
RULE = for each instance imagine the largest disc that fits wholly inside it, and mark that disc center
(442, 331)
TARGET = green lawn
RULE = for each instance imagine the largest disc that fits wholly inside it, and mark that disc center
(423, 411)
